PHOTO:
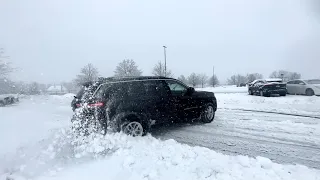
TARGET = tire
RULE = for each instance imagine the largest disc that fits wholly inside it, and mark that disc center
(250, 92)
(309, 92)
(261, 93)
(132, 128)
(208, 113)
(264, 94)
(138, 128)
(2, 104)
(282, 94)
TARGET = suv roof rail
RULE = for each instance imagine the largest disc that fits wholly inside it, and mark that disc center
(115, 78)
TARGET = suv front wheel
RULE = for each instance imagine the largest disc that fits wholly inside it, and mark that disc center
(208, 113)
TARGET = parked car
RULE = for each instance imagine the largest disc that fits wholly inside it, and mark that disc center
(133, 105)
(266, 87)
(304, 87)
(7, 99)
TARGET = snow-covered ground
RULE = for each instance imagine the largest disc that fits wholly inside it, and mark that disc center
(291, 104)
(233, 97)
(35, 143)
(225, 89)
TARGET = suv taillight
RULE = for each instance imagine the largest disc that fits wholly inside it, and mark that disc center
(98, 104)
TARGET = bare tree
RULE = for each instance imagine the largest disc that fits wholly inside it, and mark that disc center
(286, 75)
(159, 70)
(194, 79)
(213, 81)
(34, 88)
(232, 80)
(70, 86)
(203, 79)
(237, 79)
(87, 73)
(5, 68)
(127, 68)
(183, 79)
(294, 75)
(253, 76)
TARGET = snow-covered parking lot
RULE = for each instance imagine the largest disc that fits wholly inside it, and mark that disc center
(248, 131)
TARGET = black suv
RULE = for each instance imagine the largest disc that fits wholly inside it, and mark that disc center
(266, 87)
(133, 104)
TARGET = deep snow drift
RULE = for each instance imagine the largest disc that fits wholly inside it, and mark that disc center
(42, 147)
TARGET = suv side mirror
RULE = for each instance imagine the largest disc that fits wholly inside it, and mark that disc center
(190, 90)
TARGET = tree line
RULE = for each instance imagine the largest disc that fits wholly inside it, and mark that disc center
(238, 79)
(127, 68)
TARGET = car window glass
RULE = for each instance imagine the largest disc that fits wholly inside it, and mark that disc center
(103, 92)
(154, 88)
(259, 82)
(176, 87)
(298, 82)
(136, 88)
(80, 93)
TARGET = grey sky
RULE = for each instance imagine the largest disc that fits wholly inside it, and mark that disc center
(49, 41)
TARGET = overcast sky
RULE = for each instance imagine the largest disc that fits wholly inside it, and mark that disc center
(49, 41)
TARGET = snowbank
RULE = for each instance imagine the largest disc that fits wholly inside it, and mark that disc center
(122, 157)
(225, 89)
(31, 120)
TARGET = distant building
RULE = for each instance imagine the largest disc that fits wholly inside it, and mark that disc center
(57, 90)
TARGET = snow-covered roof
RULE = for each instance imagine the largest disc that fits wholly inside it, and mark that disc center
(57, 88)
(273, 79)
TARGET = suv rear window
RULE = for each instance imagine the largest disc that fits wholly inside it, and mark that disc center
(80, 93)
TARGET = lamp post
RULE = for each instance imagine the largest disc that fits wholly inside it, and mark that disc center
(165, 61)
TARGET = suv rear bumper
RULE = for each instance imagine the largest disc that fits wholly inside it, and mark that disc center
(276, 91)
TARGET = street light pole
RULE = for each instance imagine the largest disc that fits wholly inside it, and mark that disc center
(165, 61)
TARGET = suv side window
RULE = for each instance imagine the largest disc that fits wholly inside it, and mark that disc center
(176, 87)
(154, 88)
(136, 89)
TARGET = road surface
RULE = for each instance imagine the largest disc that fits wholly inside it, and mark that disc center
(282, 138)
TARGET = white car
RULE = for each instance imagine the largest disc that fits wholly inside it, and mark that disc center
(304, 87)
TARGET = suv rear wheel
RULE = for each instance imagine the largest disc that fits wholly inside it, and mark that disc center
(133, 126)
(208, 113)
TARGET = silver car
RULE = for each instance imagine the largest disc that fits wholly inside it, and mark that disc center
(304, 87)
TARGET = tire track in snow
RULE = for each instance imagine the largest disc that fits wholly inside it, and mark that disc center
(282, 145)
(271, 112)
